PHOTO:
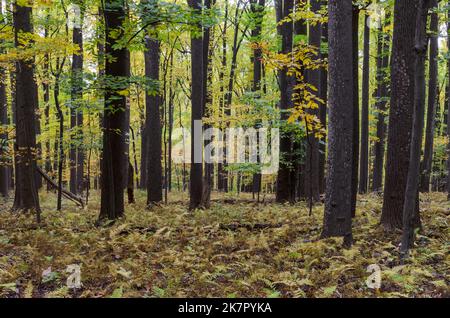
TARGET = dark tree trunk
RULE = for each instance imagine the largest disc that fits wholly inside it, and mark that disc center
(323, 108)
(381, 95)
(364, 159)
(338, 201)
(26, 195)
(432, 100)
(100, 78)
(153, 124)
(287, 82)
(144, 151)
(46, 88)
(228, 181)
(207, 103)
(412, 185)
(60, 115)
(257, 7)
(355, 67)
(76, 153)
(197, 74)
(130, 184)
(4, 171)
(298, 146)
(221, 173)
(4, 181)
(114, 118)
(312, 145)
(400, 114)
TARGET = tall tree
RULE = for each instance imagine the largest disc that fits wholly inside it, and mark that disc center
(197, 74)
(381, 96)
(257, 8)
(76, 154)
(338, 200)
(4, 180)
(312, 146)
(412, 187)
(26, 194)
(117, 69)
(324, 107)
(355, 67)
(287, 82)
(221, 172)
(432, 100)
(153, 118)
(364, 158)
(208, 34)
(400, 113)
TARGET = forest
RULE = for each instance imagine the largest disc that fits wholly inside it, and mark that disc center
(224, 148)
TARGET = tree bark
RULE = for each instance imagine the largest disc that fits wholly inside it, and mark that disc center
(4, 171)
(426, 166)
(257, 7)
(381, 95)
(26, 195)
(114, 118)
(412, 186)
(323, 108)
(197, 74)
(400, 114)
(287, 82)
(312, 146)
(364, 158)
(338, 199)
(153, 125)
(355, 142)
(76, 112)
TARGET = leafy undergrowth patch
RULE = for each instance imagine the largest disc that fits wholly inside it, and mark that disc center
(237, 249)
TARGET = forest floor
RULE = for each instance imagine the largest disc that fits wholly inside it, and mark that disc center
(234, 249)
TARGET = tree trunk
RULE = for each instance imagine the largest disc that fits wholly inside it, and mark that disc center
(257, 7)
(412, 186)
(338, 200)
(432, 100)
(130, 184)
(312, 145)
(221, 172)
(60, 115)
(323, 108)
(153, 124)
(287, 82)
(197, 74)
(400, 114)
(381, 95)
(114, 118)
(355, 67)
(207, 104)
(26, 194)
(364, 159)
(4, 181)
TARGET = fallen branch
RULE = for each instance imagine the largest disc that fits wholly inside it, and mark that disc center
(250, 227)
(68, 195)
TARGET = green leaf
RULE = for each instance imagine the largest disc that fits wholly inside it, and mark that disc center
(10, 286)
(117, 293)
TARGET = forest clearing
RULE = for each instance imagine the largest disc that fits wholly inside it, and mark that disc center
(224, 148)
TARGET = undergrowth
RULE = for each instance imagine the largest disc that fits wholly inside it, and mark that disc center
(236, 249)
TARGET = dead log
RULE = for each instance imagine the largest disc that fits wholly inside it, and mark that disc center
(249, 227)
(68, 195)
